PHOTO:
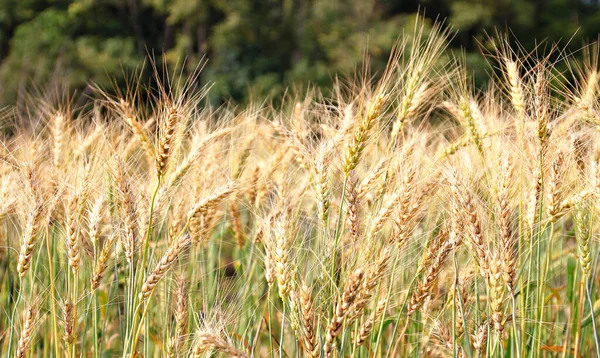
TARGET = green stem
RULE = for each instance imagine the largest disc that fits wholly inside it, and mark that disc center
(589, 298)
(338, 227)
(514, 322)
(542, 279)
(148, 231)
(397, 341)
(270, 323)
(396, 257)
(74, 302)
(95, 338)
(138, 323)
(461, 308)
(134, 331)
(12, 318)
(281, 336)
(52, 295)
(540, 296)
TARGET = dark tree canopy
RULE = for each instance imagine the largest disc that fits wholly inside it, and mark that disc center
(257, 47)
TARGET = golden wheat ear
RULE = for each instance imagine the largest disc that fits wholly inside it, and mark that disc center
(167, 133)
(101, 262)
(206, 341)
(342, 308)
(165, 263)
(28, 327)
(307, 315)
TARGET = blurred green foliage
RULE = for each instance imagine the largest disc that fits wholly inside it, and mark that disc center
(257, 47)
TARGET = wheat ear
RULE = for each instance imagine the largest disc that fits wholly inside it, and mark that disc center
(70, 314)
(100, 266)
(342, 308)
(166, 141)
(206, 341)
(27, 330)
(164, 265)
(355, 149)
(308, 322)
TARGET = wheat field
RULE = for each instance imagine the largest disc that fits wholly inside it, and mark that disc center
(406, 214)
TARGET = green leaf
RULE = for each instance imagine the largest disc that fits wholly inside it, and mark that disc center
(571, 277)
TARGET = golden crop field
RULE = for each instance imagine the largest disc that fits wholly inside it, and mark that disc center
(406, 214)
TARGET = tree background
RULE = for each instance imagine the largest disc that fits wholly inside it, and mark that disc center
(253, 48)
